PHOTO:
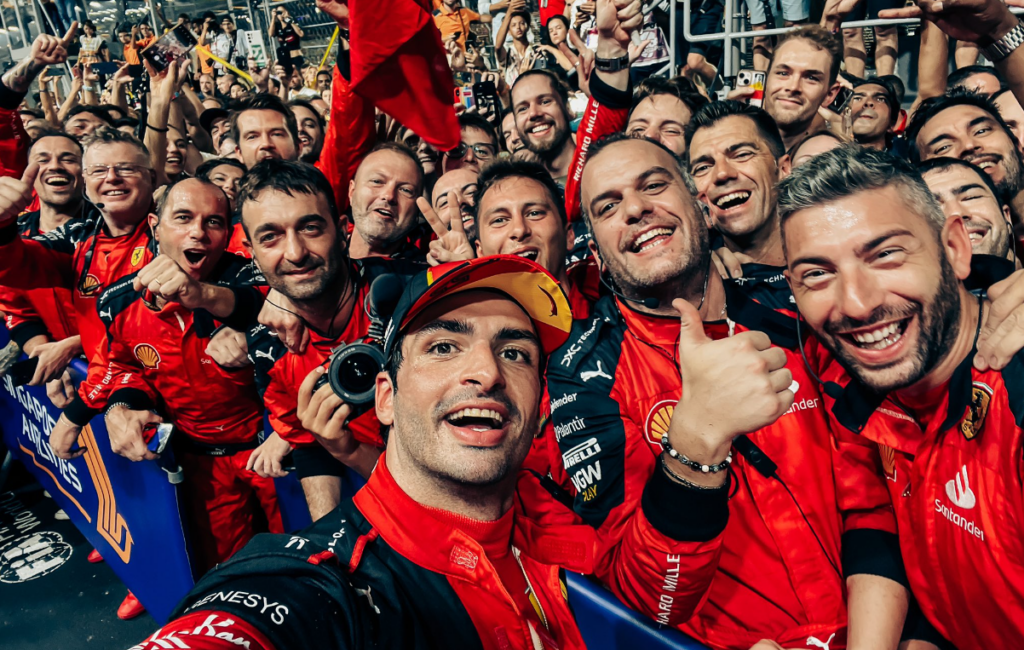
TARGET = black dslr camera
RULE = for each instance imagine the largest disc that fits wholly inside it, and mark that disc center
(353, 367)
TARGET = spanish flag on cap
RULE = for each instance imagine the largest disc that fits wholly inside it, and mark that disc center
(521, 279)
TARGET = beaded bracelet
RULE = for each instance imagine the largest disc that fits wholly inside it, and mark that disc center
(692, 464)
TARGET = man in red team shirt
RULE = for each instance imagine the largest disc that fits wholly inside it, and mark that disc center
(157, 358)
(85, 256)
(770, 554)
(449, 544)
(42, 321)
(877, 271)
(292, 227)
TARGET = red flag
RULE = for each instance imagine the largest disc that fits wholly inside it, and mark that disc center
(399, 63)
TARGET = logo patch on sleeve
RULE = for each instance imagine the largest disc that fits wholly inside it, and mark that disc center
(974, 419)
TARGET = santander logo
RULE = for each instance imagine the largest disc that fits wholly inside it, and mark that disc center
(959, 490)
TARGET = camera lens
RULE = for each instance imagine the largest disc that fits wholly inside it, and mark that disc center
(358, 372)
(353, 372)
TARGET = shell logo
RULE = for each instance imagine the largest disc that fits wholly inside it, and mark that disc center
(888, 455)
(659, 419)
(90, 285)
(147, 355)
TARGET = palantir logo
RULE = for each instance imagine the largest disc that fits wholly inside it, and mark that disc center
(959, 490)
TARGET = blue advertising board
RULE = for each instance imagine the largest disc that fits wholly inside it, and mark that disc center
(128, 511)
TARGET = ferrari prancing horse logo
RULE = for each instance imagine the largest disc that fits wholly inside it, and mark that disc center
(137, 255)
(977, 410)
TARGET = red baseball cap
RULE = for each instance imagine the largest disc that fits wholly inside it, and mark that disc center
(522, 280)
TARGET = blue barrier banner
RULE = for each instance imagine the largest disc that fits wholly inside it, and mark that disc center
(607, 624)
(128, 511)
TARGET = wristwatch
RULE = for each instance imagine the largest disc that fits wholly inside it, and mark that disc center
(999, 50)
(613, 65)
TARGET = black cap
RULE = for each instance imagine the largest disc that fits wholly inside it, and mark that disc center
(210, 115)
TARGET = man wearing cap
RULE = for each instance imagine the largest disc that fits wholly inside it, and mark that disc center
(216, 122)
(449, 544)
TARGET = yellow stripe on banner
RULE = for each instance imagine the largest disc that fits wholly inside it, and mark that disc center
(109, 523)
(337, 28)
(245, 75)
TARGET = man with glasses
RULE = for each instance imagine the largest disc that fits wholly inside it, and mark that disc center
(85, 256)
(478, 148)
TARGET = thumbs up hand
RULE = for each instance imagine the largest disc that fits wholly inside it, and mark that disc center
(16, 194)
(731, 386)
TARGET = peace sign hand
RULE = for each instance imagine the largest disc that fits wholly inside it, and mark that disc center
(451, 244)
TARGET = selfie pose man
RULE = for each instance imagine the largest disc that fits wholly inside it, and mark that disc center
(448, 543)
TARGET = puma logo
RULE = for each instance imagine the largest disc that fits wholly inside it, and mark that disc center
(587, 375)
(265, 355)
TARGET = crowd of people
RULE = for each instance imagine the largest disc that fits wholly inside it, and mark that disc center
(751, 362)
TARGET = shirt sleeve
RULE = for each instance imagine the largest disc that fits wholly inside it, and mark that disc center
(351, 134)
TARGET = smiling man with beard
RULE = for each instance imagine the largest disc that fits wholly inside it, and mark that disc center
(297, 242)
(877, 271)
(311, 130)
(513, 141)
(449, 544)
(540, 105)
(633, 377)
(42, 321)
(382, 196)
(964, 191)
(968, 126)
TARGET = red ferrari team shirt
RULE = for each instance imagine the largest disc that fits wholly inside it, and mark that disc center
(953, 467)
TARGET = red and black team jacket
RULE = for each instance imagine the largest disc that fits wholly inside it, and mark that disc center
(767, 561)
(156, 359)
(79, 256)
(37, 312)
(279, 373)
(383, 571)
(954, 471)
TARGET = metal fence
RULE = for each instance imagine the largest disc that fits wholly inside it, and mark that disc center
(734, 34)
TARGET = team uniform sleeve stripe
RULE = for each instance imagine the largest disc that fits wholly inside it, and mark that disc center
(28, 330)
(873, 552)
(133, 398)
(663, 501)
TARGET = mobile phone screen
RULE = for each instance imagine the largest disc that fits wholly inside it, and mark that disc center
(172, 46)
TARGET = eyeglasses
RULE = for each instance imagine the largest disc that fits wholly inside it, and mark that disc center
(121, 170)
(481, 151)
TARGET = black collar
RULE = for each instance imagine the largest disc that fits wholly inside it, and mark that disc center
(780, 327)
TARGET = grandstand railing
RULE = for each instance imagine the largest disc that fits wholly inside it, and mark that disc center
(732, 36)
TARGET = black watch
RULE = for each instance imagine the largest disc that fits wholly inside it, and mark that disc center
(612, 65)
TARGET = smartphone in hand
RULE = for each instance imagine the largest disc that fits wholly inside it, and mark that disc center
(748, 78)
(172, 46)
